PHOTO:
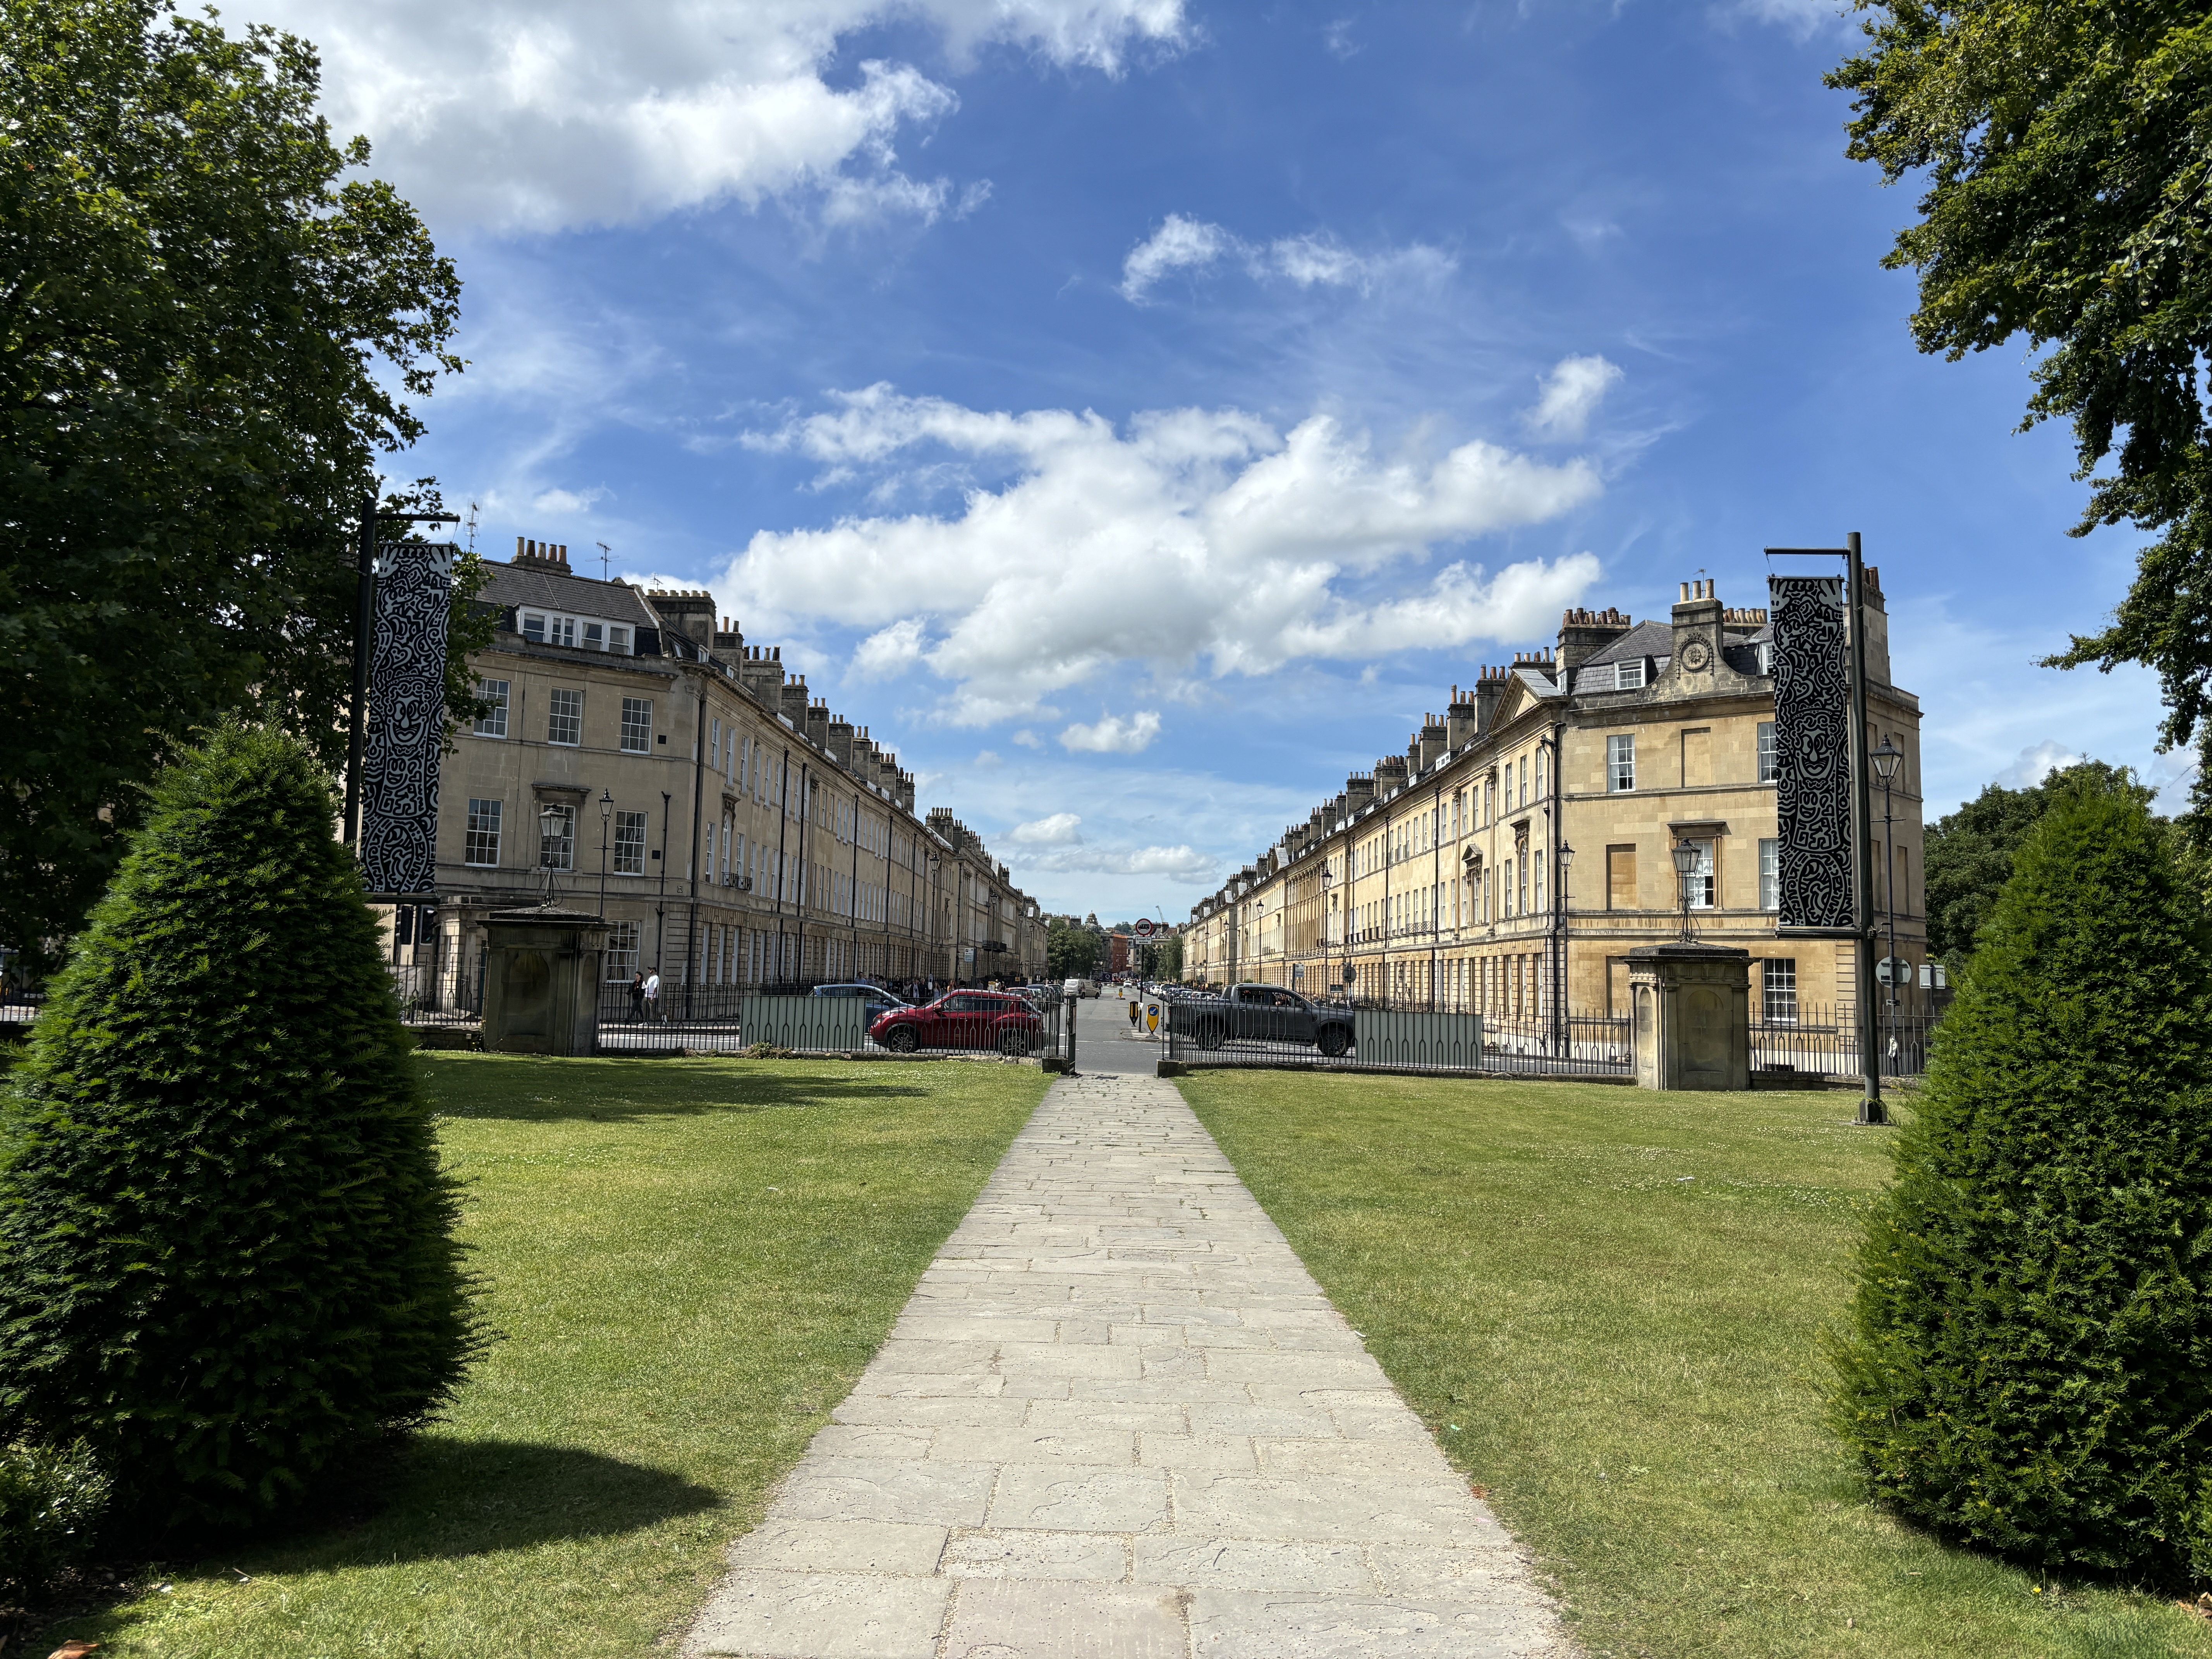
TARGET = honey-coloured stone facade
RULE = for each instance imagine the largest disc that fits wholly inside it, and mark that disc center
(1440, 876)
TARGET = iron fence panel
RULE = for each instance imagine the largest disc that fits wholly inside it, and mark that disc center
(1824, 1042)
(1399, 1033)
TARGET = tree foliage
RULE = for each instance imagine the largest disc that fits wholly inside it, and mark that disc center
(2067, 150)
(206, 340)
(2029, 1365)
(1970, 850)
(225, 1250)
(1072, 950)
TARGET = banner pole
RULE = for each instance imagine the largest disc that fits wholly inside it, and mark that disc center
(1871, 1110)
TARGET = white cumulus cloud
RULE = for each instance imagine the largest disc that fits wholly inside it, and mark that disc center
(1112, 735)
(1314, 260)
(1060, 830)
(2038, 762)
(889, 650)
(1570, 395)
(1189, 537)
(541, 114)
(1178, 863)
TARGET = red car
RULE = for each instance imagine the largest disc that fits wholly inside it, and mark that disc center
(962, 1019)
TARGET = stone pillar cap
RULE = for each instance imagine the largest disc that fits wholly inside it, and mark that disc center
(1680, 951)
(555, 917)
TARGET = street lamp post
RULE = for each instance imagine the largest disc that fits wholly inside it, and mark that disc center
(606, 813)
(1685, 869)
(1887, 759)
(1565, 861)
(549, 827)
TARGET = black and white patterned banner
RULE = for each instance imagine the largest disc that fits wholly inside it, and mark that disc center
(1812, 743)
(406, 719)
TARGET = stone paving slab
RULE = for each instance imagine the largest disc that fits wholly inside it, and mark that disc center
(1119, 1418)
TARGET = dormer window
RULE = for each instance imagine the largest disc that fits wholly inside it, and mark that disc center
(1628, 676)
(546, 627)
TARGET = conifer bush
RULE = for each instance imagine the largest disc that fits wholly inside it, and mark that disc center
(2028, 1365)
(226, 1253)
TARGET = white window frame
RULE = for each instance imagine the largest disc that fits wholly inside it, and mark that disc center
(1769, 874)
(1770, 759)
(1620, 763)
(494, 725)
(629, 843)
(624, 939)
(556, 719)
(1703, 897)
(481, 834)
(1778, 990)
(563, 843)
(1628, 674)
(640, 727)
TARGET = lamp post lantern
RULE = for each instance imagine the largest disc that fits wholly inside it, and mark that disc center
(1887, 759)
(606, 813)
(549, 825)
(1563, 860)
(1686, 868)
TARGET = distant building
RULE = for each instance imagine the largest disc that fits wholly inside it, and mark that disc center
(741, 832)
(1441, 874)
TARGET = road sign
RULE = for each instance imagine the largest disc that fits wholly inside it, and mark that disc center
(1151, 1016)
(1143, 927)
(1892, 970)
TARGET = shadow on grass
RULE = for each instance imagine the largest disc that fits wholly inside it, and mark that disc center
(442, 1498)
(430, 1500)
(530, 1089)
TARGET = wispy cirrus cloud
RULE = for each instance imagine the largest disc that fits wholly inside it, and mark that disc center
(1316, 259)
(1568, 395)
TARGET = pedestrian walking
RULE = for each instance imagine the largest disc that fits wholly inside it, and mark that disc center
(637, 997)
(652, 994)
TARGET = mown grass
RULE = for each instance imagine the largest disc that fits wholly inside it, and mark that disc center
(690, 1262)
(1608, 1302)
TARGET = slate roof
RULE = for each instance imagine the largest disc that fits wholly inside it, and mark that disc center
(578, 596)
(1646, 639)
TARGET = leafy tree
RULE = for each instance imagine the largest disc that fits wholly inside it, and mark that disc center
(1072, 951)
(1970, 852)
(2027, 1366)
(206, 340)
(2067, 150)
(226, 1250)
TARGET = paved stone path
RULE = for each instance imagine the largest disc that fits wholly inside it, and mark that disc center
(1119, 1418)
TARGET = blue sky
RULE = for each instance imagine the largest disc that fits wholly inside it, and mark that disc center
(1138, 412)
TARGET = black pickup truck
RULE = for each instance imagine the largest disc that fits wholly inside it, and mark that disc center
(1263, 1013)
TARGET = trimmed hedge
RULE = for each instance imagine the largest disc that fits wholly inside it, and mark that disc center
(226, 1250)
(2029, 1364)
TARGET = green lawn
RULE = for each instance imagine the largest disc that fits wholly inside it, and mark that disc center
(690, 1262)
(1607, 1302)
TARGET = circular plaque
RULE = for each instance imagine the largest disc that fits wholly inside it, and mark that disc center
(1697, 657)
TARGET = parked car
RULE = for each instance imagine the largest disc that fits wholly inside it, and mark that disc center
(880, 1001)
(963, 1019)
(1265, 1013)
